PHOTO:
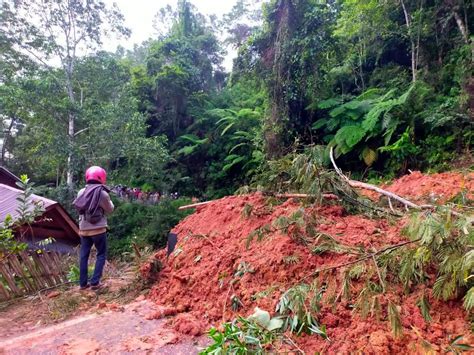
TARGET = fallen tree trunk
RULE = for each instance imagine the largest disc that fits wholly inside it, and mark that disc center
(288, 195)
(363, 185)
(294, 195)
(194, 205)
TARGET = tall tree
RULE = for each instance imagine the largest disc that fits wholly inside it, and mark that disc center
(56, 32)
(289, 49)
(181, 65)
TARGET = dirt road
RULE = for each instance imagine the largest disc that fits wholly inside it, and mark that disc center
(123, 330)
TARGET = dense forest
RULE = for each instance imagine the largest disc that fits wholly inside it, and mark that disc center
(299, 163)
(387, 83)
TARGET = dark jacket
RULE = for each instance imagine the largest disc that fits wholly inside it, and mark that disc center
(93, 200)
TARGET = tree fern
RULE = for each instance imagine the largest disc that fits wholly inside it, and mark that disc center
(347, 137)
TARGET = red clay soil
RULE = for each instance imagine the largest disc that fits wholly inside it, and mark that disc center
(431, 188)
(200, 276)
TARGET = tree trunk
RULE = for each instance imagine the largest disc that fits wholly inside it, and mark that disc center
(70, 133)
(276, 123)
(412, 42)
(462, 28)
(5, 139)
(70, 167)
(464, 31)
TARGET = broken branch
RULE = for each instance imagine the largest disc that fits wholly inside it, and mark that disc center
(194, 205)
(368, 256)
(363, 185)
(288, 195)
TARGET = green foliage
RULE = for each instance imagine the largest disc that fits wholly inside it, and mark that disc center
(306, 172)
(167, 114)
(144, 225)
(259, 234)
(297, 306)
(456, 347)
(368, 119)
(291, 259)
(27, 212)
(242, 336)
(424, 306)
(74, 273)
(394, 319)
(446, 241)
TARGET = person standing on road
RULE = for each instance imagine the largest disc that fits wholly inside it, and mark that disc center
(93, 204)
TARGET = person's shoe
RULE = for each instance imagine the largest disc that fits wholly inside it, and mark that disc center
(96, 287)
(84, 287)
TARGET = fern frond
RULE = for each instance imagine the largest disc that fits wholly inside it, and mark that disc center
(425, 307)
(357, 270)
(348, 136)
(395, 319)
(247, 210)
(469, 299)
(291, 259)
(346, 287)
(444, 287)
(362, 303)
(376, 309)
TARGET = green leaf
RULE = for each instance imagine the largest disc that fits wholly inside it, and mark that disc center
(469, 299)
(424, 306)
(229, 126)
(395, 320)
(193, 138)
(329, 103)
(369, 156)
(235, 161)
(319, 123)
(348, 136)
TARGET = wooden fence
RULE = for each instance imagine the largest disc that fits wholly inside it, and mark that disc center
(28, 272)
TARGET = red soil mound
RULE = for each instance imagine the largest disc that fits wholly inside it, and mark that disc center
(211, 265)
(434, 188)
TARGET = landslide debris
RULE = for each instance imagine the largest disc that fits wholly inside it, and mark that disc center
(217, 272)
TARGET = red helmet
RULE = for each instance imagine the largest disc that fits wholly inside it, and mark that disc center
(96, 173)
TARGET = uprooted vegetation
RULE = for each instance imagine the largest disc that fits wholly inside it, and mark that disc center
(338, 274)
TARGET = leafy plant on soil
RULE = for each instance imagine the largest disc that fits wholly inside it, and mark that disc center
(254, 335)
(73, 273)
(291, 259)
(306, 172)
(456, 347)
(299, 226)
(445, 242)
(439, 241)
(297, 306)
(247, 210)
(394, 319)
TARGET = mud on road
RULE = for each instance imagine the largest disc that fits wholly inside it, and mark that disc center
(124, 329)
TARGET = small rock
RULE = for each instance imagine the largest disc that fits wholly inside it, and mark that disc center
(115, 307)
(53, 294)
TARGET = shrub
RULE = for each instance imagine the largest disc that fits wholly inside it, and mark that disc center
(144, 225)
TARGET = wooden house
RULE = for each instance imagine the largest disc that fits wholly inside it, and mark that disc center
(55, 221)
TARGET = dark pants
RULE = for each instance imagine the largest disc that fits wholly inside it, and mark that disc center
(100, 242)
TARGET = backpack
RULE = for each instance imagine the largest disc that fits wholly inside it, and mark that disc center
(95, 216)
(88, 204)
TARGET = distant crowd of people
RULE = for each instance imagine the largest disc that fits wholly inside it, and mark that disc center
(136, 194)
